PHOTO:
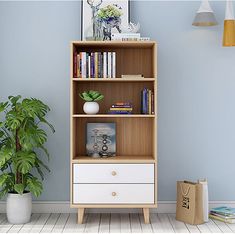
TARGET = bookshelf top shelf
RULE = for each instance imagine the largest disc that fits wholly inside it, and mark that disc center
(114, 79)
(129, 44)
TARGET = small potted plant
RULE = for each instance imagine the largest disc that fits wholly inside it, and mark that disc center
(22, 140)
(91, 97)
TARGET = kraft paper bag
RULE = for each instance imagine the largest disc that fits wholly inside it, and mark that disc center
(189, 208)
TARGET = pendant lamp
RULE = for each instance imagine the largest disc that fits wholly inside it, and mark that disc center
(229, 25)
(205, 15)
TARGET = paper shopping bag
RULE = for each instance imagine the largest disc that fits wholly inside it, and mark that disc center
(189, 207)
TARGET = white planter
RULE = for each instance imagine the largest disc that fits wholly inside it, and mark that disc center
(91, 108)
(19, 208)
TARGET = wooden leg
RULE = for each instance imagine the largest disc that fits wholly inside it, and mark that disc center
(80, 215)
(146, 215)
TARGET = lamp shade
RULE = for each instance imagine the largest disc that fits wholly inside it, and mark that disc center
(205, 15)
(229, 25)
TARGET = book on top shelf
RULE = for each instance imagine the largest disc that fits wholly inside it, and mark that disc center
(94, 65)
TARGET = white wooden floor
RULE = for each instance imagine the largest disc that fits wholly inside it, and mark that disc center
(110, 223)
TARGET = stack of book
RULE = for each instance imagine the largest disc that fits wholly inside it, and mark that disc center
(121, 108)
(223, 213)
(94, 65)
(147, 101)
(128, 37)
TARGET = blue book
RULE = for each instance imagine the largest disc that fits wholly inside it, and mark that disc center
(224, 210)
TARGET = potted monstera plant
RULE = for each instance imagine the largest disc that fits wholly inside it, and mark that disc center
(22, 139)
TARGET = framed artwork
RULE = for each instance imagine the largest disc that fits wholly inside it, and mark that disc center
(100, 18)
(101, 139)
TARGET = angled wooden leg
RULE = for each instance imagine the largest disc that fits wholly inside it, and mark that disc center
(80, 215)
(146, 215)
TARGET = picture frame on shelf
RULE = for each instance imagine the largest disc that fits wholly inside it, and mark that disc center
(95, 23)
(101, 139)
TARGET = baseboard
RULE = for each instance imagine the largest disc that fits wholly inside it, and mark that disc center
(64, 207)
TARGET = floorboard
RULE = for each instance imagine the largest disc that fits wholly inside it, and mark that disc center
(93, 223)
(125, 223)
(104, 223)
(179, 227)
(40, 223)
(61, 221)
(111, 223)
(28, 226)
(135, 223)
(146, 228)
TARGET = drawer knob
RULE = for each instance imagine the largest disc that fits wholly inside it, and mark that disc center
(114, 194)
(114, 173)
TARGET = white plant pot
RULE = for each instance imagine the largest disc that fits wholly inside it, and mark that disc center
(19, 208)
(91, 108)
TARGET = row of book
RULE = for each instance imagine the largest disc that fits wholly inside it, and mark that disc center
(223, 213)
(147, 101)
(94, 65)
(121, 108)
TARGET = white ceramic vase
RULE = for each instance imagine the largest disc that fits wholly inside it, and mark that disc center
(19, 208)
(91, 108)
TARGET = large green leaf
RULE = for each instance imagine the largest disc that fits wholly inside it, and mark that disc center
(3, 106)
(14, 99)
(4, 178)
(5, 155)
(19, 188)
(25, 161)
(13, 120)
(34, 108)
(35, 186)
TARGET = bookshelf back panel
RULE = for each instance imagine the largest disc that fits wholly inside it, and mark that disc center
(134, 136)
(113, 92)
(137, 60)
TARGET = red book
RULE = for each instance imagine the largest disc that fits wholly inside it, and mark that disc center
(75, 64)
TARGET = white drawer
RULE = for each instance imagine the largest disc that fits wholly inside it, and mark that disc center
(113, 193)
(113, 173)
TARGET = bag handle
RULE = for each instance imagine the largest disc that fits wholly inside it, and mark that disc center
(182, 191)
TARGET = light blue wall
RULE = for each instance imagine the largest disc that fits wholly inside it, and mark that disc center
(196, 133)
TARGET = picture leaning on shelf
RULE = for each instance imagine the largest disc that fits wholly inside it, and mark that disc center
(94, 64)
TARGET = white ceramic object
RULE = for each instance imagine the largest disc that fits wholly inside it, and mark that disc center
(19, 208)
(91, 108)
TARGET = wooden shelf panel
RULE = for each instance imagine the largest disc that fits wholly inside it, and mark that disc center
(116, 159)
(114, 79)
(112, 116)
(114, 44)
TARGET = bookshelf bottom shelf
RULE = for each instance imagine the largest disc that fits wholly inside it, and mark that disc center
(115, 159)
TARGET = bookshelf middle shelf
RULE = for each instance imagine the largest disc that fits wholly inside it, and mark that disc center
(122, 91)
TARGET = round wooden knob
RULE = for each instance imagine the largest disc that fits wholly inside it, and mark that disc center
(114, 194)
(114, 173)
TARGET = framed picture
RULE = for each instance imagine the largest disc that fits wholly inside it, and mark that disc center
(101, 139)
(100, 18)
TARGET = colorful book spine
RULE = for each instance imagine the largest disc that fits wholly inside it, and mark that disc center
(104, 65)
(114, 64)
(75, 64)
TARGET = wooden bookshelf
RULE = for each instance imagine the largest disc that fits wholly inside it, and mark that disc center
(136, 134)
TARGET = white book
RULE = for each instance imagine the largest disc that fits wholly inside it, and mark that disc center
(104, 65)
(89, 66)
(109, 65)
(120, 36)
(83, 64)
(114, 65)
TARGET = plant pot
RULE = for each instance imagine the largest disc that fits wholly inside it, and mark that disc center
(19, 208)
(91, 108)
